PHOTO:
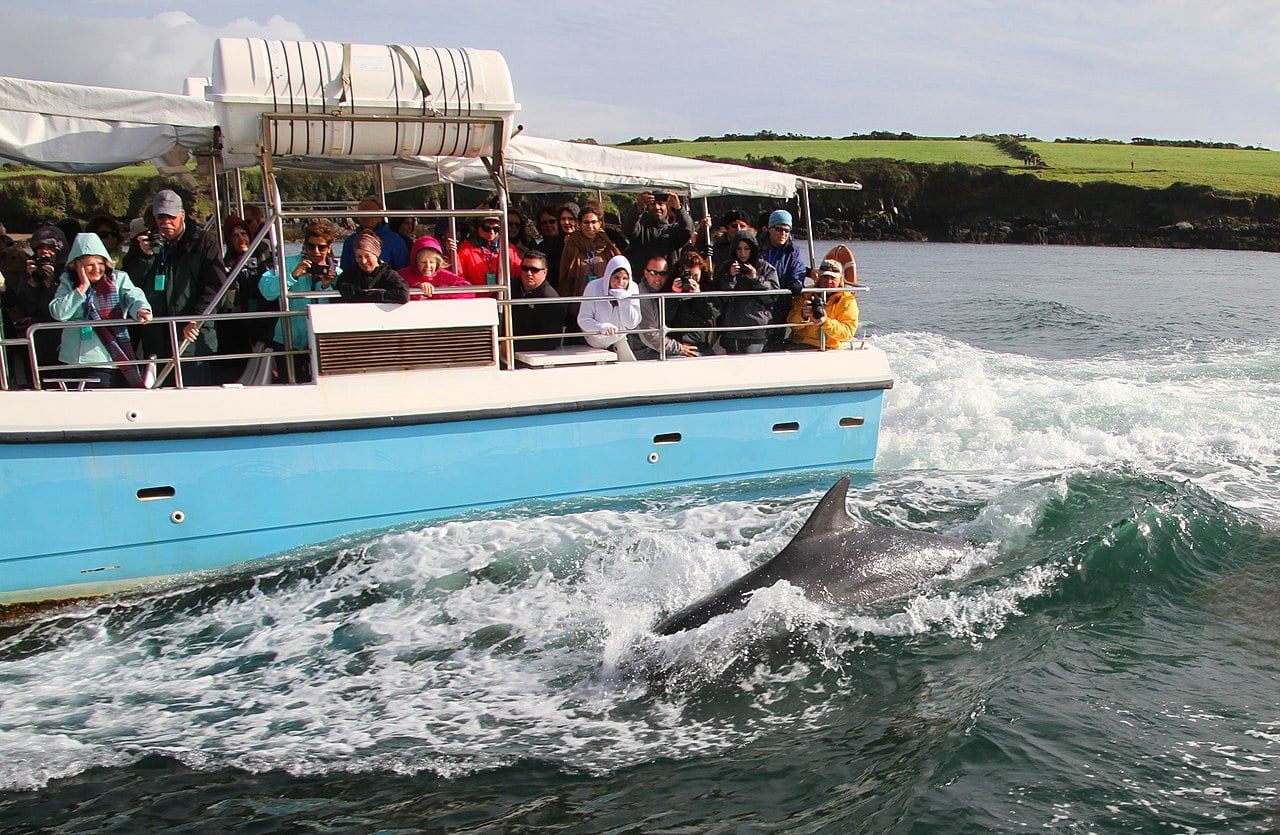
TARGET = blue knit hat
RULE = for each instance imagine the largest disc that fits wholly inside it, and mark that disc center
(781, 217)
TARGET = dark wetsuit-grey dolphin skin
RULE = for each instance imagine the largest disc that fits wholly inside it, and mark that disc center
(835, 560)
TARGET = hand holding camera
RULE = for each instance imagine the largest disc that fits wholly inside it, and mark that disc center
(685, 283)
(818, 306)
(41, 268)
(152, 243)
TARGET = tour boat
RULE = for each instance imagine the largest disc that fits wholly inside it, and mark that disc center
(416, 412)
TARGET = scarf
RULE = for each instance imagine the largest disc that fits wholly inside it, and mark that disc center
(103, 304)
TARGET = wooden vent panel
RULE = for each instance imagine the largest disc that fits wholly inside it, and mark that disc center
(359, 353)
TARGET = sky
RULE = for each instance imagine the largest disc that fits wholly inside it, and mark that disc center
(1168, 69)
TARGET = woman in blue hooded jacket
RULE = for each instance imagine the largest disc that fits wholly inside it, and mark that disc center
(92, 289)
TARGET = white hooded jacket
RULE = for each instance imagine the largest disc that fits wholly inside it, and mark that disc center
(616, 311)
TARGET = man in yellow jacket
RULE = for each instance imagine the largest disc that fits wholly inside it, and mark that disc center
(837, 319)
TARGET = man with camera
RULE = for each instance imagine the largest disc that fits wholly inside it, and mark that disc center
(827, 320)
(662, 227)
(653, 279)
(180, 270)
(26, 301)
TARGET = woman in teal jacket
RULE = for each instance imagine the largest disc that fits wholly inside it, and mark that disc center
(312, 271)
(92, 289)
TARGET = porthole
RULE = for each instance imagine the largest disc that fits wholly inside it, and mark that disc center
(851, 421)
(150, 494)
(789, 426)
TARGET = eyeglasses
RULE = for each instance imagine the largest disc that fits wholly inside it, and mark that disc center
(786, 230)
(528, 268)
(656, 272)
(491, 227)
(314, 247)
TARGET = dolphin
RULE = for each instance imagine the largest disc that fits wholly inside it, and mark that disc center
(834, 560)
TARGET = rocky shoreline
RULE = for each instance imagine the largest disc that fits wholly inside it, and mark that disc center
(1213, 233)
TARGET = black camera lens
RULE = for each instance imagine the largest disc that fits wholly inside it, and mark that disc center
(819, 305)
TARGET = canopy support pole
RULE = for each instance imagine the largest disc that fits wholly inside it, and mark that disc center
(450, 204)
(808, 225)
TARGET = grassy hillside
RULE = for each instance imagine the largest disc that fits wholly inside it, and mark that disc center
(1230, 170)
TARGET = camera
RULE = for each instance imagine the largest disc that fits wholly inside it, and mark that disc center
(156, 241)
(818, 304)
(683, 281)
(44, 261)
(661, 197)
(318, 269)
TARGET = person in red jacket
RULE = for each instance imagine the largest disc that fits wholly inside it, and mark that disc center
(479, 258)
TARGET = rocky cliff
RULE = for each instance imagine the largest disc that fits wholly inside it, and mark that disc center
(954, 202)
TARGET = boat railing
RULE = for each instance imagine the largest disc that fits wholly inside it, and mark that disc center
(508, 342)
(173, 326)
(662, 329)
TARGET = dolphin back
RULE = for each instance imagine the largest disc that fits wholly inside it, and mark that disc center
(830, 516)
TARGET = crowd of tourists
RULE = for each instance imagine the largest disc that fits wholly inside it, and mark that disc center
(653, 284)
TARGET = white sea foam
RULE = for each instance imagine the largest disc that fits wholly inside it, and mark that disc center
(1211, 415)
(461, 646)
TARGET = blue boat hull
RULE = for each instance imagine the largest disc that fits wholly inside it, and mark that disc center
(89, 518)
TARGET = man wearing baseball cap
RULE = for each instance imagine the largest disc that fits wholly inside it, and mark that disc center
(826, 320)
(778, 249)
(180, 270)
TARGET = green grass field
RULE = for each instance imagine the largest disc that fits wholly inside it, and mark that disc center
(142, 170)
(1246, 172)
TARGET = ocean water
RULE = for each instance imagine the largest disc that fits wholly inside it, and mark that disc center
(1102, 424)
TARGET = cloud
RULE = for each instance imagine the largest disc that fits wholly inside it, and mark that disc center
(156, 53)
(1050, 68)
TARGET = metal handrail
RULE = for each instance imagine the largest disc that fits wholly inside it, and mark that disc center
(171, 321)
(662, 329)
(506, 338)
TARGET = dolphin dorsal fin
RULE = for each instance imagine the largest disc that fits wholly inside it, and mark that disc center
(830, 514)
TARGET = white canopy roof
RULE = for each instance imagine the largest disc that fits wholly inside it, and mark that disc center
(83, 130)
(547, 165)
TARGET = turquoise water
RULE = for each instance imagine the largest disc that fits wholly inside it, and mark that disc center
(1103, 424)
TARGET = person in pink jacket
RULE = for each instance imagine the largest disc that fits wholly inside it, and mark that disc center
(426, 271)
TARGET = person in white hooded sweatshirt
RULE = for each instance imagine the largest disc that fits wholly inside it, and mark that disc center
(612, 307)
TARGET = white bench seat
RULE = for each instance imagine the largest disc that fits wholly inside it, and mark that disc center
(566, 355)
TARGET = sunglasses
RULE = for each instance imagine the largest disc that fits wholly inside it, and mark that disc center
(525, 268)
(490, 227)
(315, 247)
(657, 272)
